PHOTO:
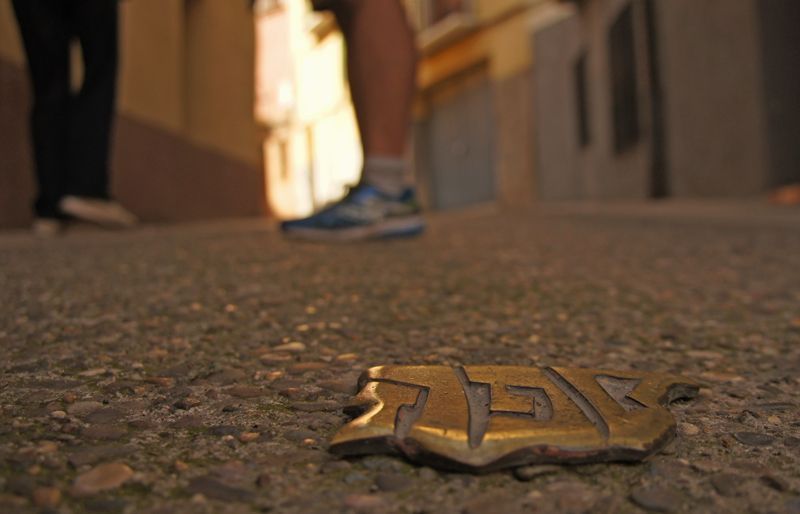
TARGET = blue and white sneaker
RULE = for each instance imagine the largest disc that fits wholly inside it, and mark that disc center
(364, 213)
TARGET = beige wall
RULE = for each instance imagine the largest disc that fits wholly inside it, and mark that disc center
(220, 77)
(189, 67)
(10, 44)
(152, 53)
(502, 40)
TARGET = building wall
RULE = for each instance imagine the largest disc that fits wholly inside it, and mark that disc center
(16, 175)
(778, 25)
(186, 144)
(557, 44)
(718, 136)
(220, 75)
(566, 169)
(153, 52)
(716, 91)
(714, 97)
(459, 140)
(609, 174)
(514, 148)
(497, 44)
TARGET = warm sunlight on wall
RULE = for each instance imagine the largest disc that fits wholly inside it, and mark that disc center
(311, 144)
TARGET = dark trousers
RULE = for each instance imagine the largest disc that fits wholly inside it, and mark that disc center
(71, 130)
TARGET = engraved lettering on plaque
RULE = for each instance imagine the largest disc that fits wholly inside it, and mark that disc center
(488, 417)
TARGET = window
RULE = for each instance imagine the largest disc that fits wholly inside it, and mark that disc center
(622, 58)
(582, 100)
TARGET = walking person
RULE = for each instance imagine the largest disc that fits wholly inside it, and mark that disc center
(71, 130)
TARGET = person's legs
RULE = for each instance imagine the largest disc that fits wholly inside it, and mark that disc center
(382, 68)
(381, 65)
(91, 115)
(45, 34)
(95, 23)
(381, 59)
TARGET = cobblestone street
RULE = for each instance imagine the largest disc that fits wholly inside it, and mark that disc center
(203, 367)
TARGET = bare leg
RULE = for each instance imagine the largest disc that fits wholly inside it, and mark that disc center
(382, 67)
(381, 60)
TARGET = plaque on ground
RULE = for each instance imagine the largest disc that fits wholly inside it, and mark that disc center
(482, 418)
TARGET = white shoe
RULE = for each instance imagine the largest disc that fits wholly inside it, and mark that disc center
(46, 227)
(106, 213)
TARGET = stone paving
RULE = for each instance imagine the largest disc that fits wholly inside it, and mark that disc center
(203, 368)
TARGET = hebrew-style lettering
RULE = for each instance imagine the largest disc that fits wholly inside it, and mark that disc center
(485, 417)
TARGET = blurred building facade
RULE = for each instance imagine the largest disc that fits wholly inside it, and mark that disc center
(539, 100)
(527, 100)
(659, 98)
(226, 110)
(474, 136)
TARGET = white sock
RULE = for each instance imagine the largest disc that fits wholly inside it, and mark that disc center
(386, 174)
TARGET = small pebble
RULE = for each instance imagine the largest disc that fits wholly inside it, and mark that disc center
(105, 432)
(263, 480)
(274, 358)
(46, 447)
(528, 473)
(47, 497)
(727, 484)
(391, 482)
(293, 347)
(212, 488)
(249, 437)
(754, 438)
(688, 430)
(89, 373)
(774, 482)
(101, 478)
(364, 502)
(245, 392)
(656, 499)
(354, 477)
(428, 474)
(164, 382)
(347, 357)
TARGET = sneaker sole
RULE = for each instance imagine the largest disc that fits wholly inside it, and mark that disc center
(395, 228)
(88, 213)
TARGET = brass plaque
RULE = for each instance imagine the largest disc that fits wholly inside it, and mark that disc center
(482, 418)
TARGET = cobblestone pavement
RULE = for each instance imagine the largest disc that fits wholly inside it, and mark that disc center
(202, 368)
